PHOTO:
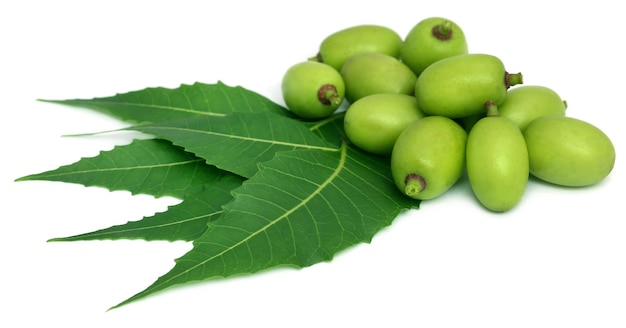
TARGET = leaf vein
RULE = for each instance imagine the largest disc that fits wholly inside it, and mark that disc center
(328, 181)
(128, 168)
(247, 138)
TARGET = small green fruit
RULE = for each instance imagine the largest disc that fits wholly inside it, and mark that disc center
(528, 102)
(336, 48)
(312, 90)
(428, 157)
(372, 73)
(567, 151)
(430, 40)
(459, 86)
(497, 163)
(373, 123)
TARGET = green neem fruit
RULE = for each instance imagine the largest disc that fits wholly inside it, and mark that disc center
(459, 86)
(372, 73)
(567, 151)
(428, 157)
(312, 90)
(497, 162)
(430, 40)
(528, 102)
(336, 48)
(373, 123)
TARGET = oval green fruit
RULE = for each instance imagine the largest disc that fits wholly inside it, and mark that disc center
(497, 163)
(336, 48)
(372, 73)
(459, 86)
(430, 40)
(312, 90)
(373, 123)
(528, 102)
(567, 151)
(428, 157)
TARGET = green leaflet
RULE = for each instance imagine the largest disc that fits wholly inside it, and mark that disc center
(153, 167)
(162, 104)
(301, 208)
(239, 141)
(308, 195)
(329, 129)
(185, 221)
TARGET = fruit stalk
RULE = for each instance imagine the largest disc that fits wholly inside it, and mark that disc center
(327, 95)
(492, 109)
(511, 79)
(414, 184)
(443, 31)
(316, 58)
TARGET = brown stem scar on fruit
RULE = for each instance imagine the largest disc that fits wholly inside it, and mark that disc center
(327, 94)
(443, 31)
(414, 184)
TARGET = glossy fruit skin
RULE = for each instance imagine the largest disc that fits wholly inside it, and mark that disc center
(422, 46)
(528, 102)
(373, 123)
(336, 48)
(497, 163)
(300, 89)
(568, 151)
(459, 86)
(433, 150)
(372, 73)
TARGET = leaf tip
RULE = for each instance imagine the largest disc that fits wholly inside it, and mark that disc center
(114, 307)
(26, 178)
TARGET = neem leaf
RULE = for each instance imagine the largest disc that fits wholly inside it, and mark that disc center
(185, 221)
(153, 167)
(301, 208)
(162, 104)
(330, 129)
(239, 141)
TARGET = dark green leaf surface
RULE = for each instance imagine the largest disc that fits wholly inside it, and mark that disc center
(330, 129)
(153, 167)
(162, 104)
(308, 195)
(239, 141)
(185, 221)
(302, 207)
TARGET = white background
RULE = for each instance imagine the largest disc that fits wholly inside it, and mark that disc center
(556, 260)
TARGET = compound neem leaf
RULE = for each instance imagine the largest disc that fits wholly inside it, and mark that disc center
(152, 166)
(163, 104)
(301, 208)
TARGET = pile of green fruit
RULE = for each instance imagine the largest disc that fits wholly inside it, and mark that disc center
(438, 111)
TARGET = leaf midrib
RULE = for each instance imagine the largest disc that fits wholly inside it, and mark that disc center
(104, 233)
(238, 137)
(317, 191)
(127, 168)
(92, 102)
